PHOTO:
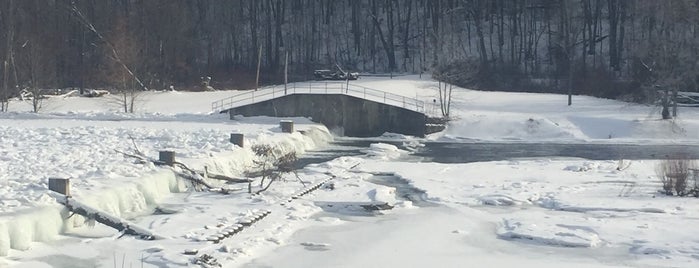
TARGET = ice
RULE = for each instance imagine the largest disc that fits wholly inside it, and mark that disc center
(383, 151)
(383, 194)
(5, 242)
(549, 234)
(587, 166)
(24, 227)
(499, 200)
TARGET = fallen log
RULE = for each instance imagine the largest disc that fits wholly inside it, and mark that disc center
(225, 178)
(125, 227)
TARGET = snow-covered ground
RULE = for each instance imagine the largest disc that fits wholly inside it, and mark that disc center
(508, 116)
(533, 212)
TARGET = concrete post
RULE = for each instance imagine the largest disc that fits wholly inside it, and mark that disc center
(167, 157)
(237, 139)
(231, 115)
(60, 185)
(287, 126)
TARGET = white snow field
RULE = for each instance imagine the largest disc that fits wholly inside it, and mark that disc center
(539, 212)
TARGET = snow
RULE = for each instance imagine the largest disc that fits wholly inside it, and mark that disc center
(546, 202)
(543, 212)
(508, 116)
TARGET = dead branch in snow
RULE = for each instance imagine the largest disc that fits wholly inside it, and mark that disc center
(210, 175)
(272, 167)
(191, 176)
(180, 169)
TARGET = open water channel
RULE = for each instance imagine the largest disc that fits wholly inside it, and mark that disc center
(454, 152)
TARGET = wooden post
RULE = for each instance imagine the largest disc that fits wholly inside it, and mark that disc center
(60, 185)
(287, 126)
(167, 157)
(237, 139)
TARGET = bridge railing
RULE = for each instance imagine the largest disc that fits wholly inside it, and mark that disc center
(268, 93)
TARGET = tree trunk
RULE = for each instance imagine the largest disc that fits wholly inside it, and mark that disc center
(279, 12)
(613, 26)
(406, 36)
(501, 29)
(252, 13)
(435, 10)
(6, 90)
(386, 41)
(482, 50)
(259, 62)
(622, 31)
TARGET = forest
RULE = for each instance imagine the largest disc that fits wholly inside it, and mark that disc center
(607, 48)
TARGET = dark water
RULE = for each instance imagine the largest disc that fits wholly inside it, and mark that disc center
(450, 152)
(325, 154)
(472, 152)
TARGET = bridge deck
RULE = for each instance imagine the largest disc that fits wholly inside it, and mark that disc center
(273, 92)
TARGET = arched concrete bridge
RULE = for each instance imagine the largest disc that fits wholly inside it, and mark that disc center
(346, 109)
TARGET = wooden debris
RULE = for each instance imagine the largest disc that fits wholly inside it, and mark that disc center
(102, 217)
(226, 178)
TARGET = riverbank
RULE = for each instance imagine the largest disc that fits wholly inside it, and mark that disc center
(89, 151)
(565, 211)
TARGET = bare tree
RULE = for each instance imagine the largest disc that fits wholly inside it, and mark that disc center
(387, 39)
(33, 87)
(567, 35)
(129, 92)
(529, 45)
(6, 90)
(445, 90)
(128, 96)
(674, 174)
(270, 167)
(456, 72)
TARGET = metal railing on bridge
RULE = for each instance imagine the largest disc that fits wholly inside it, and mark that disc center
(272, 92)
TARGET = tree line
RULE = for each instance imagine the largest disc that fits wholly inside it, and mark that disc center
(608, 48)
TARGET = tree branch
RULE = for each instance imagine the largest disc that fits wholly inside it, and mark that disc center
(115, 54)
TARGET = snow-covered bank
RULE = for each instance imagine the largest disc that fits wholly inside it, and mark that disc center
(44, 222)
(511, 116)
(430, 237)
(199, 215)
(84, 150)
(545, 212)
(551, 203)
